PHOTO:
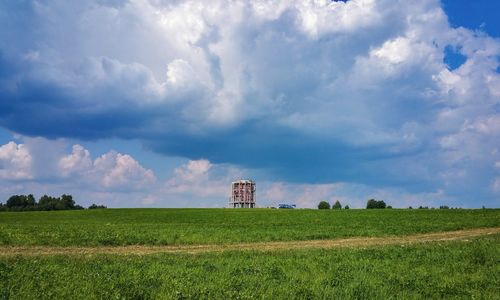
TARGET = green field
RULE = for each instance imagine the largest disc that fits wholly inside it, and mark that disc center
(465, 268)
(468, 270)
(219, 226)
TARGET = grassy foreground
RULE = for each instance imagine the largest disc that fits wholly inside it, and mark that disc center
(111, 227)
(459, 269)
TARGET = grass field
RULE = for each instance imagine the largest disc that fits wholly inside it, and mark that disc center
(467, 268)
(219, 226)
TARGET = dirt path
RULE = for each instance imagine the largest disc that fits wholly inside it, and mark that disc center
(261, 246)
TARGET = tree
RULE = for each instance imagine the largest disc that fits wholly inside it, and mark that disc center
(21, 202)
(337, 205)
(47, 203)
(346, 207)
(372, 204)
(30, 200)
(67, 202)
(324, 205)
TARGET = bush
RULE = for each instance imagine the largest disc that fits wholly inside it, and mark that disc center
(346, 207)
(373, 204)
(324, 205)
(95, 206)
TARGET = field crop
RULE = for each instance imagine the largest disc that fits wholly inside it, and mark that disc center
(458, 269)
(113, 227)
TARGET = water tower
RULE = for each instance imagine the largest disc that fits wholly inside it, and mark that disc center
(242, 194)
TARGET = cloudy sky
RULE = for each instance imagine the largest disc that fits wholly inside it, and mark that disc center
(157, 103)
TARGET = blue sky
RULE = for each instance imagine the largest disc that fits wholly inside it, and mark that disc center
(163, 104)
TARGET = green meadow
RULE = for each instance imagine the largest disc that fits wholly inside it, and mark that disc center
(113, 227)
(458, 269)
(463, 270)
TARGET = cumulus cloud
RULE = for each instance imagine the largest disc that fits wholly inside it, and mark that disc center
(78, 162)
(122, 171)
(311, 91)
(15, 162)
(201, 178)
(111, 171)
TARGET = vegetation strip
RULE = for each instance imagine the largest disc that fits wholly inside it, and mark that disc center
(261, 246)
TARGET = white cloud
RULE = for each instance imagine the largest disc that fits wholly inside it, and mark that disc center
(111, 171)
(15, 162)
(117, 170)
(202, 179)
(194, 170)
(321, 17)
(78, 162)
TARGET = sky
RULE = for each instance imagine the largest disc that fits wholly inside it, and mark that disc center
(156, 103)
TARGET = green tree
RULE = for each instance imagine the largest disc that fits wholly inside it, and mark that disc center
(346, 207)
(324, 205)
(373, 204)
(337, 205)
(21, 202)
(67, 202)
(47, 203)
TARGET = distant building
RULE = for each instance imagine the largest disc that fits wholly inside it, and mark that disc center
(242, 194)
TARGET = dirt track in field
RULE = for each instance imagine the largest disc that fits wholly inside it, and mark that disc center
(359, 242)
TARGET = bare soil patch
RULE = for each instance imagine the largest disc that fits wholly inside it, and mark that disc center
(260, 246)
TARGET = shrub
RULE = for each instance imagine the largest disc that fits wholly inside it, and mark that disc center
(95, 206)
(324, 205)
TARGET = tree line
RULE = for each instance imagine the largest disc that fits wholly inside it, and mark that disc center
(371, 204)
(45, 203)
(375, 204)
(336, 205)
